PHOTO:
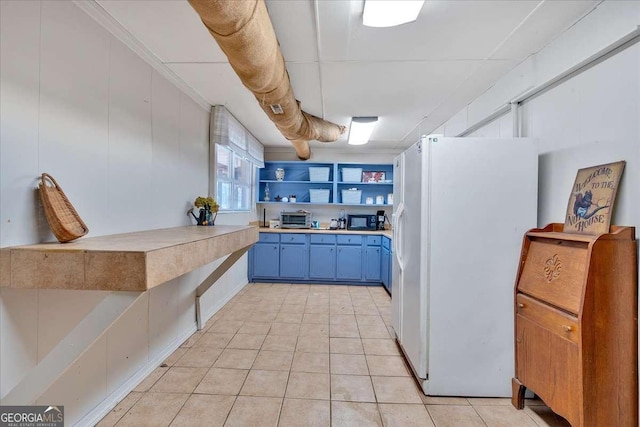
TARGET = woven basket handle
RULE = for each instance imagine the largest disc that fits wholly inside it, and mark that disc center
(46, 176)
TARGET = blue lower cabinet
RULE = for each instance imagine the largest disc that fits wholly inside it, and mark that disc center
(322, 262)
(372, 263)
(266, 260)
(292, 261)
(385, 263)
(303, 257)
(349, 263)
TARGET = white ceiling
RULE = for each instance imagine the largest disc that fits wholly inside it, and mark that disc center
(424, 71)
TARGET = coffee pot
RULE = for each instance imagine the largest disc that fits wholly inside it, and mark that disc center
(342, 221)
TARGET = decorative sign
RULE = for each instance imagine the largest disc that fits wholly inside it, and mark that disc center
(592, 197)
(373, 176)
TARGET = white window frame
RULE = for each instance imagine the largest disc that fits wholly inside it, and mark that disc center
(250, 184)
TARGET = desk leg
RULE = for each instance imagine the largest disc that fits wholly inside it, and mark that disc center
(517, 393)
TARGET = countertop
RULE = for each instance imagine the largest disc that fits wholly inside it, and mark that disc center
(386, 233)
(134, 261)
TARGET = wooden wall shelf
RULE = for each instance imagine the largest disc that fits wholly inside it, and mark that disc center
(121, 262)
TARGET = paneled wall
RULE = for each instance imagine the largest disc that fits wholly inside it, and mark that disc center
(131, 152)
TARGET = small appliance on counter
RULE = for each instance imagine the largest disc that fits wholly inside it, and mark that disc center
(361, 222)
(342, 221)
(333, 224)
(380, 219)
(298, 219)
(274, 223)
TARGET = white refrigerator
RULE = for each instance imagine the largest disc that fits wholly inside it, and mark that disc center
(461, 208)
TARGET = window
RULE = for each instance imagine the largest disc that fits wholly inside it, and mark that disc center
(233, 180)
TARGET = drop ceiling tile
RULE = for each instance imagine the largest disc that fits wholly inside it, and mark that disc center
(295, 26)
(444, 30)
(172, 30)
(305, 80)
(399, 93)
(542, 26)
(484, 76)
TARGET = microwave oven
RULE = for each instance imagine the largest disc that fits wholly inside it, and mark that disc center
(295, 220)
(361, 222)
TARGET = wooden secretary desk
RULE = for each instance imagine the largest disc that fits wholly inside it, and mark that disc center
(576, 326)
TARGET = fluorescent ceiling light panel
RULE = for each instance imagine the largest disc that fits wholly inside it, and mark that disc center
(388, 13)
(360, 130)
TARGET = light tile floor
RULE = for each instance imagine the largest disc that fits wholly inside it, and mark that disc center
(303, 355)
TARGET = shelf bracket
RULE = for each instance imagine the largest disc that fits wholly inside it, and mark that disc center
(213, 278)
(70, 348)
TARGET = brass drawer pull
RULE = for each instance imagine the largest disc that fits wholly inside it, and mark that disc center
(520, 305)
(567, 328)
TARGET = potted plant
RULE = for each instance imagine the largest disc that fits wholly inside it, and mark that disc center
(208, 210)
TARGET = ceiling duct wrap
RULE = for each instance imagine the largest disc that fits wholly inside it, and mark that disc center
(244, 32)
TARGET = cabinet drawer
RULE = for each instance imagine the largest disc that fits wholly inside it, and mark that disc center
(349, 239)
(552, 319)
(373, 240)
(554, 271)
(293, 238)
(386, 243)
(323, 239)
(269, 238)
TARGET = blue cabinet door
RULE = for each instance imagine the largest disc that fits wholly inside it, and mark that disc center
(385, 261)
(372, 263)
(349, 263)
(266, 260)
(322, 262)
(292, 261)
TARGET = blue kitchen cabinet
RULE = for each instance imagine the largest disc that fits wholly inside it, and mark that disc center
(386, 263)
(384, 267)
(322, 262)
(322, 256)
(293, 256)
(266, 260)
(349, 262)
(372, 263)
(324, 183)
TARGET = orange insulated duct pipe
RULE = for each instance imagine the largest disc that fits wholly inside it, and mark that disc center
(244, 32)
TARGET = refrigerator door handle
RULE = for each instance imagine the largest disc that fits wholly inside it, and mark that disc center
(397, 238)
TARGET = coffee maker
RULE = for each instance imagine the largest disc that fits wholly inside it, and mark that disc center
(380, 218)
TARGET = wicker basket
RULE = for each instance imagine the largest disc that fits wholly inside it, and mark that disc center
(63, 219)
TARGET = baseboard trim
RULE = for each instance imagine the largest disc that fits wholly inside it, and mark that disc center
(96, 414)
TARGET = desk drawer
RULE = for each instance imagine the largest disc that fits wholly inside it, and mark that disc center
(552, 319)
(554, 271)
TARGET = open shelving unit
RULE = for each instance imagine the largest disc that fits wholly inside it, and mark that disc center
(297, 182)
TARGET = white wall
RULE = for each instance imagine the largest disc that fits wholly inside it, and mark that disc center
(131, 152)
(322, 154)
